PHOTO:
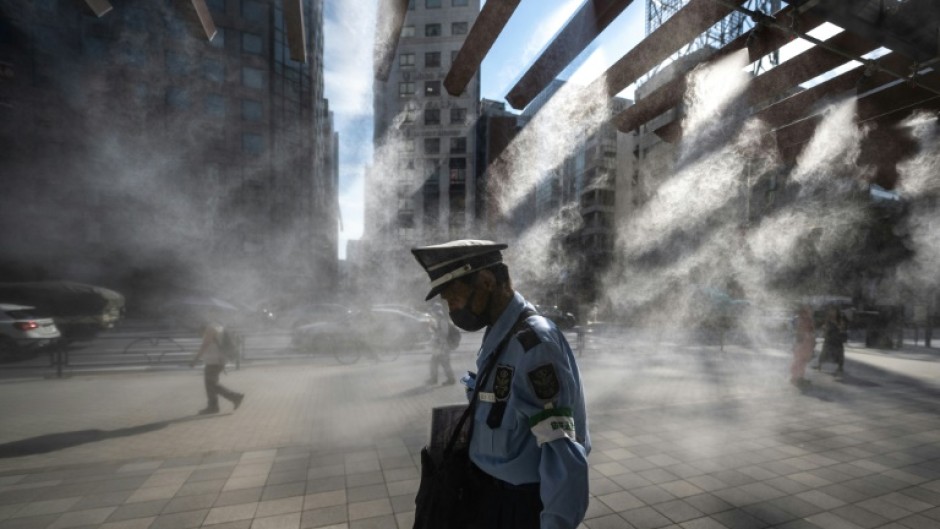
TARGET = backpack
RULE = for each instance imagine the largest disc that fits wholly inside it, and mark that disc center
(453, 336)
(228, 344)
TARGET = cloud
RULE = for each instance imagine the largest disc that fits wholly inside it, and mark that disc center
(352, 205)
(349, 29)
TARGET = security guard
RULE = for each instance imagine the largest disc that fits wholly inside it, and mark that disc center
(530, 439)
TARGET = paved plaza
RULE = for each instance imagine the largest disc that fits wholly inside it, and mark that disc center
(683, 437)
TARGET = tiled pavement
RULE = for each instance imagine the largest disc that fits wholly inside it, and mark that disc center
(683, 438)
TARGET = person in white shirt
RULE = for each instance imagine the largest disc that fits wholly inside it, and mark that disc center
(211, 354)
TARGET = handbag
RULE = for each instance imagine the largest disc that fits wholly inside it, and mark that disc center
(443, 500)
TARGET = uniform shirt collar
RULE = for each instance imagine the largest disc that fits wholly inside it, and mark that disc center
(503, 324)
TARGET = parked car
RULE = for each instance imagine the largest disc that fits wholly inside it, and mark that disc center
(563, 319)
(312, 313)
(80, 311)
(377, 328)
(22, 330)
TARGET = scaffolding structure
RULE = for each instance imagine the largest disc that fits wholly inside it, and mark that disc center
(728, 29)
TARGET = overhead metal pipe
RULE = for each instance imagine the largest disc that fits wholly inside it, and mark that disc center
(205, 18)
(586, 24)
(760, 42)
(390, 18)
(99, 7)
(686, 24)
(487, 27)
(766, 20)
(296, 31)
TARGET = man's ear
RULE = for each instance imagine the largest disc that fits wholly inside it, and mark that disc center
(486, 280)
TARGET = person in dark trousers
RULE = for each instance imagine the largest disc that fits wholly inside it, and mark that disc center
(440, 352)
(529, 441)
(210, 352)
(834, 337)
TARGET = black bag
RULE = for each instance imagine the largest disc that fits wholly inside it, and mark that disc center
(228, 344)
(444, 496)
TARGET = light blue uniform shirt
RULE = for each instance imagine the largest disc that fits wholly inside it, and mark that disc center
(543, 436)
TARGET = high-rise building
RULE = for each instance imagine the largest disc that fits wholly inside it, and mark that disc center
(151, 155)
(423, 184)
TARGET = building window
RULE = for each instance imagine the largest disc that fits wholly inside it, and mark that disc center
(432, 116)
(214, 70)
(408, 31)
(432, 30)
(432, 4)
(458, 170)
(251, 43)
(453, 56)
(432, 88)
(406, 60)
(409, 112)
(411, 5)
(432, 59)
(409, 145)
(252, 110)
(458, 115)
(215, 105)
(252, 77)
(252, 143)
(406, 89)
(458, 145)
(458, 3)
(432, 145)
(254, 11)
(176, 63)
(458, 28)
(177, 97)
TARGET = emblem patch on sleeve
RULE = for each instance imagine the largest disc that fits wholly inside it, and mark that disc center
(544, 381)
(502, 382)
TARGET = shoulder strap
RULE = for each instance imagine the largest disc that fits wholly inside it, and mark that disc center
(520, 325)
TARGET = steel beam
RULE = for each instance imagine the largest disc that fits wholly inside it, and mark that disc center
(100, 7)
(806, 66)
(488, 25)
(759, 44)
(893, 104)
(389, 20)
(859, 79)
(205, 18)
(689, 22)
(593, 17)
(296, 32)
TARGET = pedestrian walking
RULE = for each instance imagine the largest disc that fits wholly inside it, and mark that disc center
(803, 346)
(211, 352)
(529, 436)
(834, 337)
(441, 345)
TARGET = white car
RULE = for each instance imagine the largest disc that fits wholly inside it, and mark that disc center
(21, 330)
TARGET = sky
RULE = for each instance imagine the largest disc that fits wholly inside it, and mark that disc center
(349, 27)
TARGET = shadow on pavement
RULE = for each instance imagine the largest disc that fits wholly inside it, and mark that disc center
(58, 441)
(420, 390)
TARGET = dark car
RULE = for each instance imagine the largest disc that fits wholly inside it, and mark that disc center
(80, 311)
(311, 313)
(377, 329)
(563, 319)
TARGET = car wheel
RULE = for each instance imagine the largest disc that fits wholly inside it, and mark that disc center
(8, 349)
